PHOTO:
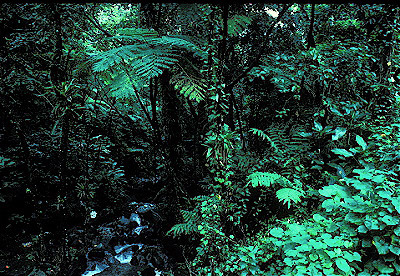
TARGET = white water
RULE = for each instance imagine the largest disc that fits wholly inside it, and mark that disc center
(135, 217)
(119, 248)
(99, 268)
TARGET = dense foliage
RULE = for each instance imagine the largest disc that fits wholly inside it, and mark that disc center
(267, 133)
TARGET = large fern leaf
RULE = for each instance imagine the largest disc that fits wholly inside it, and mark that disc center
(189, 86)
(150, 63)
(147, 57)
(123, 85)
(237, 24)
(289, 195)
(189, 226)
(266, 179)
(264, 136)
(105, 60)
(187, 43)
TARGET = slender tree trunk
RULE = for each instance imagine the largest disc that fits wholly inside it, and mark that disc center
(310, 36)
(172, 133)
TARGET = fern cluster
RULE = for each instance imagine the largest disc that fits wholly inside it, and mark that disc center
(266, 179)
(287, 194)
(189, 225)
(145, 57)
(237, 24)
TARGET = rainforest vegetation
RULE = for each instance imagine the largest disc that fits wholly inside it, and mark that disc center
(264, 138)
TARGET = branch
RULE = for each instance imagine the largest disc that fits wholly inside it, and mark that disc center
(262, 49)
(97, 25)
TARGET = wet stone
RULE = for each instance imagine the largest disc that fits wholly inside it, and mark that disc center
(122, 246)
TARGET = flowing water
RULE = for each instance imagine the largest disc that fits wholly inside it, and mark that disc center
(122, 248)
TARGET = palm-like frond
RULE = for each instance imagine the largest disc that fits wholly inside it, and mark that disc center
(123, 84)
(266, 179)
(189, 226)
(191, 87)
(150, 63)
(289, 195)
(147, 57)
(237, 24)
(105, 60)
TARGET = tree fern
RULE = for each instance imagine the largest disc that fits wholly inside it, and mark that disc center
(147, 57)
(190, 44)
(123, 84)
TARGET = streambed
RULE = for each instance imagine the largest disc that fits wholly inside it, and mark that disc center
(128, 245)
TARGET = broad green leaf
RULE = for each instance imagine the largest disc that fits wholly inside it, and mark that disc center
(385, 194)
(332, 190)
(381, 245)
(339, 132)
(332, 227)
(277, 232)
(362, 229)
(343, 265)
(361, 142)
(301, 239)
(329, 204)
(353, 218)
(318, 245)
(317, 126)
(379, 178)
(331, 242)
(395, 249)
(318, 218)
(342, 152)
(382, 267)
(389, 220)
(397, 231)
(396, 203)
(304, 248)
(364, 173)
(351, 257)
(292, 253)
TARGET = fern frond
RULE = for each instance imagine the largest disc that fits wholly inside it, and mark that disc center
(105, 60)
(264, 136)
(266, 179)
(190, 216)
(288, 195)
(189, 86)
(237, 24)
(182, 229)
(151, 62)
(186, 43)
(138, 33)
(122, 85)
(189, 226)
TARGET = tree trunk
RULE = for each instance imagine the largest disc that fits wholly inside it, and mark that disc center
(172, 133)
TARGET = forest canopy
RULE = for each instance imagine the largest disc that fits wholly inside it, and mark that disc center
(246, 139)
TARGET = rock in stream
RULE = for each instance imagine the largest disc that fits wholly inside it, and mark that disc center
(127, 245)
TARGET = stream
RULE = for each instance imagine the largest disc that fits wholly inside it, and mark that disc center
(128, 245)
